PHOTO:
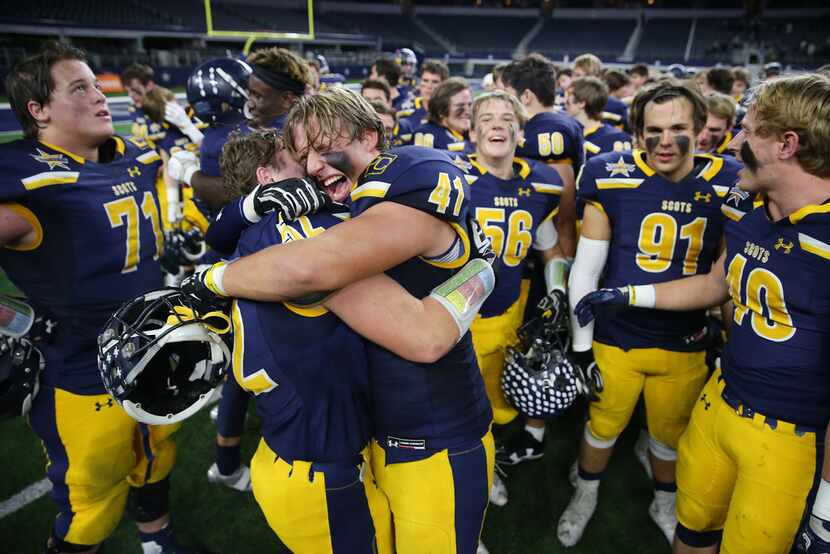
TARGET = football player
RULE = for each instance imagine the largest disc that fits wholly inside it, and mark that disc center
(137, 80)
(432, 452)
(720, 117)
(515, 200)
(649, 216)
(741, 83)
(448, 122)
(389, 72)
(82, 233)
(639, 75)
(556, 140)
(750, 458)
(409, 68)
(166, 135)
(279, 77)
(433, 73)
(616, 111)
(719, 79)
(398, 135)
(584, 101)
(316, 416)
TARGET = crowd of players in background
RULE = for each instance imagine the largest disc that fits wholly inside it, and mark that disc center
(543, 151)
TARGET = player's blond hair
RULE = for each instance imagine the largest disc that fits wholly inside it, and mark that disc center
(155, 101)
(509, 99)
(720, 105)
(280, 60)
(800, 104)
(243, 154)
(594, 92)
(331, 114)
(590, 64)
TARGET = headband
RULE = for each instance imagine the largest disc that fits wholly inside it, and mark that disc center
(278, 80)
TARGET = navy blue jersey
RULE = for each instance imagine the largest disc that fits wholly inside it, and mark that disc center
(431, 135)
(605, 138)
(777, 357)
(660, 231)
(140, 122)
(215, 138)
(420, 407)
(99, 236)
(510, 212)
(308, 370)
(616, 113)
(413, 112)
(168, 138)
(553, 138)
(402, 133)
(403, 98)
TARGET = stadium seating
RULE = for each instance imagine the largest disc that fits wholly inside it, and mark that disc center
(481, 34)
(394, 29)
(664, 39)
(604, 37)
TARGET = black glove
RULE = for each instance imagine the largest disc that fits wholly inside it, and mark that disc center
(588, 372)
(290, 198)
(814, 537)
(202, 292)
(480, 244)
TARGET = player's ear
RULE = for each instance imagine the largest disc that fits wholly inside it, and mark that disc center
(473, 135)
(789, 145)
(38, 111)
(371, 140)
(264, 174)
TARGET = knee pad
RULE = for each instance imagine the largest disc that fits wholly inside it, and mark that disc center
(661, 451)
(597, 442)
(697, 539)
(57, 546)
(150, 502)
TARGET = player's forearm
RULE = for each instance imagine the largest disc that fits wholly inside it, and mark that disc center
(565, 220)
(209, 189)
(690, 293)
(14, 228)
(380, 310)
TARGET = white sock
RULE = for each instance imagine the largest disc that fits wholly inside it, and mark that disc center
(665, 496)
(538, 433)
(588, 484)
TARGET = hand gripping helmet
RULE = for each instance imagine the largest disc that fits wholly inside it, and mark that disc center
(183, 245)
(160, 359)
(223, 80)
(20, 366)
(538, 379)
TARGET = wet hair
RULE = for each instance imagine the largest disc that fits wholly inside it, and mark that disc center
(243, 154)
(661, 93)
(439, 104)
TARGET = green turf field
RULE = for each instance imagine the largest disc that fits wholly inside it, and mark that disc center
(227, 521)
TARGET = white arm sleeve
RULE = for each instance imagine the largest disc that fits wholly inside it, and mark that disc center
(588, 265)
(546, 236)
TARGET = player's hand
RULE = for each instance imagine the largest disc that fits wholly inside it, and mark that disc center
(176, 115)
(480, 243)
(204, 288)
(585, 310)
(182, 165)
(814, 537)
(587, 373)
(290, 198)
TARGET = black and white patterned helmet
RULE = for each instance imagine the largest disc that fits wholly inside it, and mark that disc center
(20, 366)
(160, 359)
(538, 379)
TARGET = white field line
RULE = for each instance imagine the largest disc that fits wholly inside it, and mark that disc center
(25, 497)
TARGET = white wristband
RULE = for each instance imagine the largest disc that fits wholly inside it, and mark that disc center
(188, 174)
(248, 211)
(641, 296)
(821, 506)
(193, 133)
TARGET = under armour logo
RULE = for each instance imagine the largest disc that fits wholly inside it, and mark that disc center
(705, 401)
(107, 404)
(704, 197)
(523, 191)
(781, 245)
(134, 171)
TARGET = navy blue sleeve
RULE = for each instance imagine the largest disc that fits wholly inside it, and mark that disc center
(223, 234)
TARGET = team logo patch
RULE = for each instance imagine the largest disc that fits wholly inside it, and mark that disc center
(462, 164)
(736, 196)
(380, 164)
(52, 160)
(134, 171)
(619, 168)
(524, 191)
(407, 444)
(786, 246)
(703, 197)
